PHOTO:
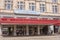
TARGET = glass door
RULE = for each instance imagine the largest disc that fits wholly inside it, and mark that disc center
(33, 30)
(7, 30)
(11, 31)
(21, 30)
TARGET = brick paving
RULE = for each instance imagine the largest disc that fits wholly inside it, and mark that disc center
(31, 38)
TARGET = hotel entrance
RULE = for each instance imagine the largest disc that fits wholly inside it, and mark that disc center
(21, 30)
(33, 30)
(11, 31)
(43, 29)
(29, 27)
(24, 30)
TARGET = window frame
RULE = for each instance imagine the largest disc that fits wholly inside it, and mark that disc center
(8, 4)
(54, 8)
(54, 1)
(42, 8)
(32, 6)
(21, 6)
(43, 0)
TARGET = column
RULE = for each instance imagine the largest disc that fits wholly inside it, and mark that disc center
(38, 30)
(27, 30)
(59, 30)
(15, 30)
(51, 29)
(0, 31)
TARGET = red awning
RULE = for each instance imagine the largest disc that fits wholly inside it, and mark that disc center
(28, 21)
(58, 23)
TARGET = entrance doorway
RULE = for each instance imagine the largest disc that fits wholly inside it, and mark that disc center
(33, 30)
(21, 30)
(11, 30)
(56, 29)
(44, 30)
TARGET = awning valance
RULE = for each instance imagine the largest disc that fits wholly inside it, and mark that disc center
(28, 21)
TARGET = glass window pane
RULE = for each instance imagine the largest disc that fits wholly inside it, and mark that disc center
(42, 8)
(8, 4)
(42, 0)
(21, 5)
(54, 1)
(32, 6)
(54, 8)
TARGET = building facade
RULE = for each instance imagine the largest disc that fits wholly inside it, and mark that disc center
(29, 17)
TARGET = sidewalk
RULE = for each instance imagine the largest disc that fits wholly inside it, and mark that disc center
(31, 38)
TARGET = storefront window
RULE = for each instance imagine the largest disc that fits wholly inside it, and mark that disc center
(7, 30)
(56, 29)
(33, 30)
(21, 30)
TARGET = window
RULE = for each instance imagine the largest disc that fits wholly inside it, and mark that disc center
(8, 4)
(21, 5)
(32, 6)
(54, 1)
(42, 0)
(42, 8)
(54, 9)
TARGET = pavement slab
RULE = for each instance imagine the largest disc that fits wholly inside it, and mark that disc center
(31, 38)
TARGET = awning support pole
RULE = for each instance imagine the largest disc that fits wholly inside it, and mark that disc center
(15, 30)
(27, 30)
(38, 30)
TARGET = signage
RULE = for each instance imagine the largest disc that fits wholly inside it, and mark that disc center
(29, 21)
(21, 19)
(26, 12)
